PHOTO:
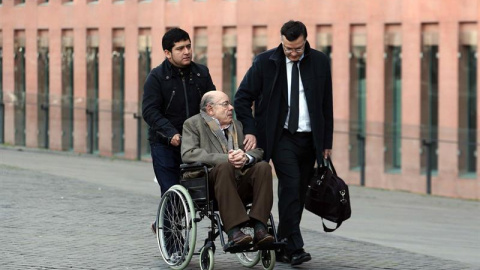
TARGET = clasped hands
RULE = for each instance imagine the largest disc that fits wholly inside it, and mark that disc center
(237, 158)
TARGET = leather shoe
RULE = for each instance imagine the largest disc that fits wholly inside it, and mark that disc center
(262, 237)
(281, 256)
(299, 257)
(239, 238)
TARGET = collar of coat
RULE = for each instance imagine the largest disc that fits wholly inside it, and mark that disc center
(279, 54)
(170, 70)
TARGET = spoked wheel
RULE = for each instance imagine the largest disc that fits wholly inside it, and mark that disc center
(248, 259)
(176, 231)
(206, 258)
(268, 259)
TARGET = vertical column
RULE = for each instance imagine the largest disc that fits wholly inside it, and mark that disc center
(374, 95)
(80, 93)
(411, 94)
(244, 51)
(131, 90)
(105, 91)
(215, 55)
(55, 48)
(8, 83)
(31, 117)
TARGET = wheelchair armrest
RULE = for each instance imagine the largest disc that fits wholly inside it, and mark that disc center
(193, 166)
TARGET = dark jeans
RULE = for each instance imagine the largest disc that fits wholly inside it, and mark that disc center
(166, 161)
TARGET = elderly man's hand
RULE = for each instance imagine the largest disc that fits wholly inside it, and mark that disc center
(237, 158)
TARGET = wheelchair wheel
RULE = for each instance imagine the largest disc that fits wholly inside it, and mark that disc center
(177, 230)
(248, 259)
(206, 258)
(268, 259)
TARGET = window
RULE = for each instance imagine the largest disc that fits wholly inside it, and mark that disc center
(393, 98)
(2, 110)
(429, 96)
(200, 43)
(118, 91)
(324, 39)
(260, 40)
(358, 67)
(229, 61)
(144, 66)
(92, 90)
(19, 87)
(43, 73)
(67, 89)
(467, 107)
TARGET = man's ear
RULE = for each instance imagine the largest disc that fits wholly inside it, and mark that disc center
(168, 54)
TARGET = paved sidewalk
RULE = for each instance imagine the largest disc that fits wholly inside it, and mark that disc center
(68, 211)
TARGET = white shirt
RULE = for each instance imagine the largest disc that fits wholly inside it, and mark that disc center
(304, 117)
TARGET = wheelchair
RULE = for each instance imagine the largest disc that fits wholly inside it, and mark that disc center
(182, 207)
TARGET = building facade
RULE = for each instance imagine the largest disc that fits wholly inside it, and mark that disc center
(404, 77)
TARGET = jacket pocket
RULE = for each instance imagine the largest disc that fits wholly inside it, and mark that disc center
(170, 101)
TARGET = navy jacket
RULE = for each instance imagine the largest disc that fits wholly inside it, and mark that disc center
(265, 83)
(169, 98)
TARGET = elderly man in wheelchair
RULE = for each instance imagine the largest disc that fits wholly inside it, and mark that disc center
(213, 140)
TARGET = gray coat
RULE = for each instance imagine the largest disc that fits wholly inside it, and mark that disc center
(199, 144)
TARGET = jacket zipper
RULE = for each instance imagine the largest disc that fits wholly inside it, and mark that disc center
(170, 102)
(186, 98)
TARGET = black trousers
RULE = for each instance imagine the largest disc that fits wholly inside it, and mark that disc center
(293, 158)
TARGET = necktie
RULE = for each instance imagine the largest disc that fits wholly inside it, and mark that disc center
(293, 119)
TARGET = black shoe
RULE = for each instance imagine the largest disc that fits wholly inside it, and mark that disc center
(281, 256)
(299, 257)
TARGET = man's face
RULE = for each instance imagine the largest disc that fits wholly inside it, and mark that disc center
(293, 49)
(221, 109)
(181, 54)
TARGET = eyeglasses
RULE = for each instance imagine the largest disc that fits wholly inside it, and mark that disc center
(224, 104)
(288, 50)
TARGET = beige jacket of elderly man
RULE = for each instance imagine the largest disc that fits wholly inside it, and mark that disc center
(237, 177)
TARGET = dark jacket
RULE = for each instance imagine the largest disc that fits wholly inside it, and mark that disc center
(170, 98)
(266, 84)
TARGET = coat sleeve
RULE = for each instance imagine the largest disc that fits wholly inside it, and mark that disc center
(151, 107)
(248, 91)
(192, 148)
(327, 107)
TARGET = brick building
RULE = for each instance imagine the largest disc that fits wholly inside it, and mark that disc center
(404, 77)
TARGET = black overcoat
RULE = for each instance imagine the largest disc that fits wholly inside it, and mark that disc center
(265, 83)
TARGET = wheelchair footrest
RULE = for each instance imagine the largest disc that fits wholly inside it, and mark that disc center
(232, 248)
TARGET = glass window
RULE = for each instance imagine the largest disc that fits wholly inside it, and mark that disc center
(393, 98)
(429, 95)
(144, 67)
(358, 67)
(229, 61)
(19, 88)
(43, 73)
(92, 90)
(324, 39)
(2, 105)
(118, 91)
(260, 40)
(200, 43)
(467, 107)
(67, 89)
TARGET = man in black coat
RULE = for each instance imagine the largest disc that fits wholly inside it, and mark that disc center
(171, 94)
(291, 87)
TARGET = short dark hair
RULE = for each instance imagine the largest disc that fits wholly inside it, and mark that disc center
(172, 36)
(293, 30)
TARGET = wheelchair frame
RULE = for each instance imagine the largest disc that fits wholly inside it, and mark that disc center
(179, 211)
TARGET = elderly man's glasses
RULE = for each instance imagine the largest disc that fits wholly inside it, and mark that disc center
(297, 50)
(224, 104)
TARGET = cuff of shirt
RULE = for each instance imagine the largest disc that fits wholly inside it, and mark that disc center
(250, 159)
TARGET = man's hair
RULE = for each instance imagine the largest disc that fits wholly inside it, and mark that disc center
(172, 36)
(293, 30)
(206, 99)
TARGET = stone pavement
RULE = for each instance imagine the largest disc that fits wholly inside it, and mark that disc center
(69, 211)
